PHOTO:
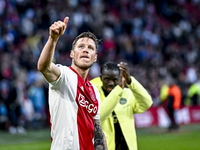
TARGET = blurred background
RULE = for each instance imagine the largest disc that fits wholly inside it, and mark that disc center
(159, 39)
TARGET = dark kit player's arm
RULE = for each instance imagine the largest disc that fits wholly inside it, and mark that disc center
(99, 137)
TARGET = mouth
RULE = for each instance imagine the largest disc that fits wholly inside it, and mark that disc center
(109, 88)
(84, 57)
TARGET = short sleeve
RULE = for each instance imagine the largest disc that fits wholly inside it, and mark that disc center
(97, 116)
(56, 84)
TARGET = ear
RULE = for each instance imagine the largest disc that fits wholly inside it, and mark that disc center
(101, 77)
(72, 54)
(95, 57)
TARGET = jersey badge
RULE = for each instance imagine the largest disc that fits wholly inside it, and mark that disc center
(92, 95)
(123, 101)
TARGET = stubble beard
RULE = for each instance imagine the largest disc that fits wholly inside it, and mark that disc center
(82, 66)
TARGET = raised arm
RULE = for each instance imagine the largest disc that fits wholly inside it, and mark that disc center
(142, 98)
(99, 137)
(45, 65)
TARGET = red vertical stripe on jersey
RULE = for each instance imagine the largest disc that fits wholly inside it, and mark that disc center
(87, 109)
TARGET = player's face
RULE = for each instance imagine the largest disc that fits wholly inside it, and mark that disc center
(84, 53)
(110, 78)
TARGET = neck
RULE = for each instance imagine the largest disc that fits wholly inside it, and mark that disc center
(105, 92)
(82, 72)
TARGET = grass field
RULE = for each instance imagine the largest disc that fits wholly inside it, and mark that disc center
(187, 138)
(32, 140)
(154, 138)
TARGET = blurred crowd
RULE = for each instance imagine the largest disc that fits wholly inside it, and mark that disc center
(159, 39)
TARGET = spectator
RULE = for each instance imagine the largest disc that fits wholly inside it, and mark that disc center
(14, 109)
(173, 103)
(36, 94)
(173, 26)
(193, 94)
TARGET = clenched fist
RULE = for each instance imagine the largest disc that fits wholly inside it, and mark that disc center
(58, 28)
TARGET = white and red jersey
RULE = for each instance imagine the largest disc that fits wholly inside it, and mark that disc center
(74, 104)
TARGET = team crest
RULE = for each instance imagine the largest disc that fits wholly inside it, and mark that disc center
(92, 94)
(123, 101)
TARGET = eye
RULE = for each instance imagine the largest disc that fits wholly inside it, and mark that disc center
(81, 46)
(116, 80)
(106, 80)
(90, 47)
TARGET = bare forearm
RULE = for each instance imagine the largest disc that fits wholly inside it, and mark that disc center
(99, 138)
(50, 71)
(47, 54)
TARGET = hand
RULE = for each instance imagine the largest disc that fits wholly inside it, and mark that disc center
(58, 28)
(122, 81)
(125, 71)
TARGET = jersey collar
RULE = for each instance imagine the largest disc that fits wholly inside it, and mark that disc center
(86, 82)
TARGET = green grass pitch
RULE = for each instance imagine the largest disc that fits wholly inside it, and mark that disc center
(154, 138)
(187, 138)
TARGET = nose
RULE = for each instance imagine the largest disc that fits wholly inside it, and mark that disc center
(85, 50)
(111, 83)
